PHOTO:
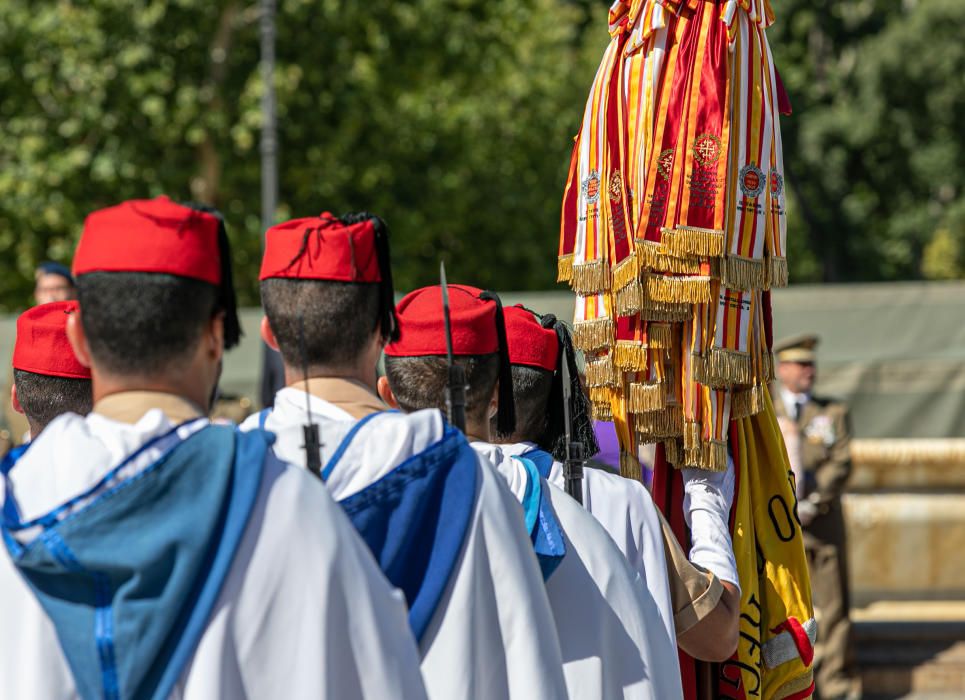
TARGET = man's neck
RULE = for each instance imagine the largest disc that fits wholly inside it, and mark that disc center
(130, 406)
(478, 431)
(366, 376)
(183, 388)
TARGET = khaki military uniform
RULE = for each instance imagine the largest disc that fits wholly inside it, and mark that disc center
(825, 436)
(694, 591)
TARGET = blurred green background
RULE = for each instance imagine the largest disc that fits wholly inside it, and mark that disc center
(453, 119)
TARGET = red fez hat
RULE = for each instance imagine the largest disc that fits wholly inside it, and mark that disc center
(321, 248)
(472, 319)
(530, 344)
(42, 346)
(478, 328)
(354, 248)
(151, 235)
(161, 237)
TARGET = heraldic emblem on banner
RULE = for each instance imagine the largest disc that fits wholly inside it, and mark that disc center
(673, 232)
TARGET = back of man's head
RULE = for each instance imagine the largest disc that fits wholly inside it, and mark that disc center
(416, 365)
(326, 288)
(152, 276)
(142, 324)
(532, 387)
(538, 347)
(48, 380)
(420, 382)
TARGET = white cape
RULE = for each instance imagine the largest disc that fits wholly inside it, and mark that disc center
(304, 611)
(492, 635)
(627, 512)
(612, 630)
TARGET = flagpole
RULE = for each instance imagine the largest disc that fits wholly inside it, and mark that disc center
(269, 136)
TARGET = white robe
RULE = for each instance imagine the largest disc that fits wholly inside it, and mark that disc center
(304, 611)
(627, 512)
(612, 630)
(492, 635)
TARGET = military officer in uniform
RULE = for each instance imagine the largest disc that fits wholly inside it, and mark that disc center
(817, 432)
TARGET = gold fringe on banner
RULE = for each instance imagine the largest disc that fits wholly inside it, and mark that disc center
(747, 402)
(678, 290)
(691, 435)
(777, 275)
(625, 272)
(590, 336)
(647, 396)
(666, 313)
(650, 254)
(659, 425)
(564, 268)
(660, 336)
(630, 356)
(710, 455)
(633, 299)
(746, 274)
(601, 412)
(724, 368)
(601, 394)
(686, 241)
(674, 450)
(628, 300)
(654, 256)
(630, 466)
(591, 277)
(768, 360)
(602, 372)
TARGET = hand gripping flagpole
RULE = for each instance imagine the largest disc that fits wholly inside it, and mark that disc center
(456, 385)
(573, 465)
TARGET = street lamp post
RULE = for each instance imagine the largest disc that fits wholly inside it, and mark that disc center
(269, 136)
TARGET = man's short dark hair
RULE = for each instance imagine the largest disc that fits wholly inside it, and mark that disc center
(337, 318)
(50, 267)
(531, 390)
(43, 397)
(141, 323)
(420, 382)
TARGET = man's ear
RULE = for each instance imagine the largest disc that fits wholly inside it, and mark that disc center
(267, 334)
(14, 401)
(215, 335)
(385, 392)
(78, 339)
(494, 402)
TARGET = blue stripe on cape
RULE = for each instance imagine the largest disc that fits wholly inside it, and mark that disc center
(131, 578)
(415, 520)
(541, 522)
(542, 459)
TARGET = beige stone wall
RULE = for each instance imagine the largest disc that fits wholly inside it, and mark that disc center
(905, 509)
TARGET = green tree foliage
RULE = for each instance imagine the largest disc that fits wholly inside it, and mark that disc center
(875, 148)
(453, 119)
(450, 118)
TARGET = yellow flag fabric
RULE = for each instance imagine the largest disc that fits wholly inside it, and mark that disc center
(778, 629)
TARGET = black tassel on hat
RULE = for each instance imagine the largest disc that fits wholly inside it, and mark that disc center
(506, 416)
(554, 439)
(389, 322)
(227, 300)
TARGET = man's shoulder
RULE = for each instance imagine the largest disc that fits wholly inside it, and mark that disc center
(830, 405)
(587, 535)
(604, 480)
